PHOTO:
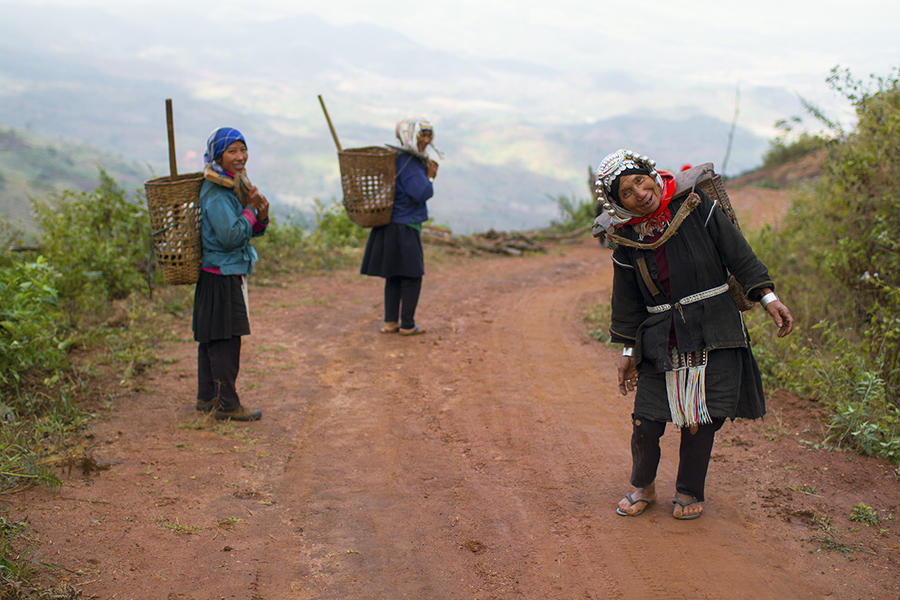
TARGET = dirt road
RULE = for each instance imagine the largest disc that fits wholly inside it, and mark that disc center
(482, 460)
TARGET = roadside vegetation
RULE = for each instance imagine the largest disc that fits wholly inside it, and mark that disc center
(836, 259)
(83, 314)
(783, 150)
(88, 307)
(574, 214)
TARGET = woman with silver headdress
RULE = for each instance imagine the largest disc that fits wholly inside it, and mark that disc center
(686, 349)
(394, 251)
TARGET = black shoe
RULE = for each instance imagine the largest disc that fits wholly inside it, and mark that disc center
(241, 413)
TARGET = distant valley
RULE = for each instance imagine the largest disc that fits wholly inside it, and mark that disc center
(90, 78)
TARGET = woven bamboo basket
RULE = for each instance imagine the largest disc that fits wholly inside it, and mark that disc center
(174, 204)
(711, 184)
(368, 178)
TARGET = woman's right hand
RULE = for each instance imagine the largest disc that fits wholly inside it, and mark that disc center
(628, 375)
(431, 169)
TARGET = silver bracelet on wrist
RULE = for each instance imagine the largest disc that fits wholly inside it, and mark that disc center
(767, 299)
(628, 351)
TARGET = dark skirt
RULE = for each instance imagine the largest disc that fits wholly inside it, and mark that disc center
(394, 250)
(219, 310)
(733, 388)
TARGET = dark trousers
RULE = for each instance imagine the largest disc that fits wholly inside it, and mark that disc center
(693, 455)
(401, 295)
(218, 363)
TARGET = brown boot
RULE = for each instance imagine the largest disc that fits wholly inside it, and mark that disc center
(241, 413)
(205, 405)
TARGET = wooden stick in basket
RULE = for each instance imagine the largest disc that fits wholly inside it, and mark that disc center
(330, 126)
(170, 124)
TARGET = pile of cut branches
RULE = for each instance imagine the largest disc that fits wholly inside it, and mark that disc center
(498, 242)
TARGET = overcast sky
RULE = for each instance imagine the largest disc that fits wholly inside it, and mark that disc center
(658, 55)
(511, 78)
(759, 42)
(680, 49)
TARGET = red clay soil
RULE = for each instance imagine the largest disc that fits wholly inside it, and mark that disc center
(482, 460)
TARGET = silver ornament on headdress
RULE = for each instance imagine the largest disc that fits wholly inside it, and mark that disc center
(610, 168)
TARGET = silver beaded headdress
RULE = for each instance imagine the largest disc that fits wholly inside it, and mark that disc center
(610, 169)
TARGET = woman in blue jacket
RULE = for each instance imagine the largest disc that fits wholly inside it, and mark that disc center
(394, 251)
(233, 211)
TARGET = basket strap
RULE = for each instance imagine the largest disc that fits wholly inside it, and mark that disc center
(404, 165)
(692, 202)
(648, 281)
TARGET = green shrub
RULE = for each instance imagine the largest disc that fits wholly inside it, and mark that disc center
(829, 364)
(334, 229)
(295, 245)
(97, 241)
(859, 202)
(31, 321)
(782, 151)
(866, 515)
(9, 236)
(836, 258)
(574, 213)
(282, 249)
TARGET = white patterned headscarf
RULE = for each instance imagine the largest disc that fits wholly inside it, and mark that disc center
(408, 131)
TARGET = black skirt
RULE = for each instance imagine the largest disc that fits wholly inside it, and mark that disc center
(733, 388)
(394, 250)
(219, 310)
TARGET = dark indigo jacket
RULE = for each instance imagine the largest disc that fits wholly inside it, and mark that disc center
(413, 190)
(700, 256)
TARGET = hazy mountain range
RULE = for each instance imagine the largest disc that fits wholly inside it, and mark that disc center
(513, 133)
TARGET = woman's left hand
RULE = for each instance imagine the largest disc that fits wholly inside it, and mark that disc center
(781, 316)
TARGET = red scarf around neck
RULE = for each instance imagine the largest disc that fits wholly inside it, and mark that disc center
(666, 193)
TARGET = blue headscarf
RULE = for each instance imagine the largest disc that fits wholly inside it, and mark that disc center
(218, 140)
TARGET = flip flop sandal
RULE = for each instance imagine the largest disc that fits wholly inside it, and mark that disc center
(414, 331)
(628, 497)
(683, 505)
(389, 330)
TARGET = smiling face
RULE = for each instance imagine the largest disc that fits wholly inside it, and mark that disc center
(425, 137)
(234, 158)
(639, 194)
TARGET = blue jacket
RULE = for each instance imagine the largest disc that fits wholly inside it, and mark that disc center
(226, 230)
(412, 192)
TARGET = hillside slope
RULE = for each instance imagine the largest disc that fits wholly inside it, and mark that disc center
(33, 165)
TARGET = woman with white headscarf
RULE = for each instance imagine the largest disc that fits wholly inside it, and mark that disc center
(394, 251)
(686, 350)
(232, 211)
